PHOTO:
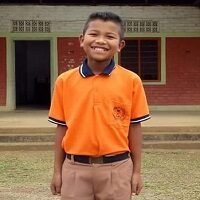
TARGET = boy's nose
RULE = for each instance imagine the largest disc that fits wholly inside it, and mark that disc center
(100, 40)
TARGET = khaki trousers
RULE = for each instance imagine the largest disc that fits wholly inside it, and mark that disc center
(96, 181)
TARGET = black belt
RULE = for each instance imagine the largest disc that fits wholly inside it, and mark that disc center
(98, 160)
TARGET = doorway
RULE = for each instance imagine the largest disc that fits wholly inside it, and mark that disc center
(32, 74)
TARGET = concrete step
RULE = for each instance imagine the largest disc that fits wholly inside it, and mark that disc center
(25, 130)
(30, 137)
(172, 129)
(49, 137)
(26, 146)
(42, 138)
(46, 146)
(171, 136)
(172, 145)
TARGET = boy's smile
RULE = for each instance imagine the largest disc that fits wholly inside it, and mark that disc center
(99, 49)
(100, 42)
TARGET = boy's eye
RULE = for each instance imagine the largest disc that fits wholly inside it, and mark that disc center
(92, 34)
(111, 37)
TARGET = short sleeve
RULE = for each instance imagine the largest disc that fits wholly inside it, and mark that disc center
(140, 110)
(56, 112)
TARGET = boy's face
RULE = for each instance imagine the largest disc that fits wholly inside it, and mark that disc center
(101, 40)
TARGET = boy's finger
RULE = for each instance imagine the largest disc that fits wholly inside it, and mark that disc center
(132, 194)
(53, 191)
(134, 188)
(57, 190)
(138, 190)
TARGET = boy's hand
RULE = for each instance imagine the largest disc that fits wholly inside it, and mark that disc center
(56, 184)
(136, 183)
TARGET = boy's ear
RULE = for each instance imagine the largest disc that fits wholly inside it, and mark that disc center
(121, 45)
(81, 38)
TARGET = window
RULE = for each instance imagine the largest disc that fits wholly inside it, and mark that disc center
(142, 56)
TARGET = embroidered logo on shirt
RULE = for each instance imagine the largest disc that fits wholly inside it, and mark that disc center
(119, 113)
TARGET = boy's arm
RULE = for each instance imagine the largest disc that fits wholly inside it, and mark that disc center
(58, 161)
(135, 145)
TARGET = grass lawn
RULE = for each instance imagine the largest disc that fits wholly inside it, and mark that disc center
(167, 175)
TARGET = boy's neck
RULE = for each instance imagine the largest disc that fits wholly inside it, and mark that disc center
(98, 67)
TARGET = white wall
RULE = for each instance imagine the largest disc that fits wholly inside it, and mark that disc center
(71, 18)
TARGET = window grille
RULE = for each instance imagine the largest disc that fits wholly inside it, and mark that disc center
(31, 26)
(143, 26)
(142, 56)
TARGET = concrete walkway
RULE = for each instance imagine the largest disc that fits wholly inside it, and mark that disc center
(24, 118)
(38, 118)
(30, 130)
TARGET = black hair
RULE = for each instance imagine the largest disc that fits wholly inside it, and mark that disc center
(105, 16)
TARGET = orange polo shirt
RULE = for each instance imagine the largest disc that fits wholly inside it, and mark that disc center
(97, 109)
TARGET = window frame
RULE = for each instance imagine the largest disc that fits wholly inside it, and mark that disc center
(159, 67)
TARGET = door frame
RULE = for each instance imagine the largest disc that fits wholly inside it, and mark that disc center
(11, 89)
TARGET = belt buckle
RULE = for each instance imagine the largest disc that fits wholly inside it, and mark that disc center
(96, 160)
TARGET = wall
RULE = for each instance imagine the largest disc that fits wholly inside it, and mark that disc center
(70, 55)
(183, 74)
(179, 30)
(2, 71)
(70, 19)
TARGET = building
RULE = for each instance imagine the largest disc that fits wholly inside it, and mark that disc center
(39, 41)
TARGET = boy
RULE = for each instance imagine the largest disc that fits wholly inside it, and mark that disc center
(98, 108)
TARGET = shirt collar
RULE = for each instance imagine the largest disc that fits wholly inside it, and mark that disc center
(85, 71)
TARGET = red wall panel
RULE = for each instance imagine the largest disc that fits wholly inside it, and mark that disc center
(2, 71)
(183, 74)
(70, 55)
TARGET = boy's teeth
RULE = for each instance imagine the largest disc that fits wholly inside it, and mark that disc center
(98, 49)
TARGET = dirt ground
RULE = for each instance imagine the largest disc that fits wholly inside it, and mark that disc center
(167, 175)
